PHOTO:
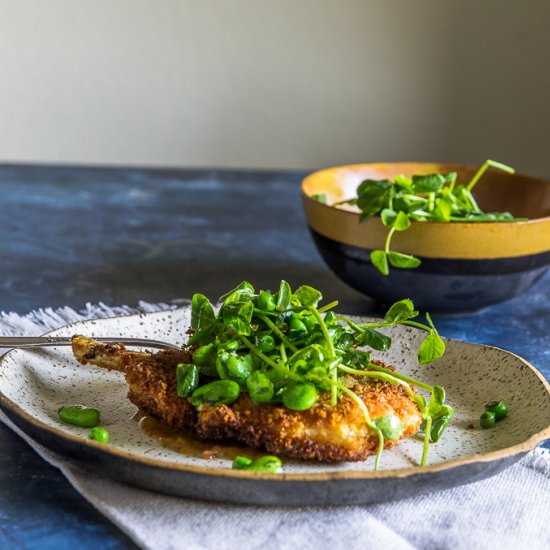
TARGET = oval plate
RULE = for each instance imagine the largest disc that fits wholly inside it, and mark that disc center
(35, 383)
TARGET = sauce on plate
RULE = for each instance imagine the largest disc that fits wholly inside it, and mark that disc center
(188, 444)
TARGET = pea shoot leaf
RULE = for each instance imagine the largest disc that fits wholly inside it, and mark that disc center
(432, 348)
(436, 401)
(388, 216)
(374, 339)
(283, 296)
(403, 261)
(400, 311)
(205, 355)
(401, 222)
(443, 209)
(202, 312)
(450, 178)
(238, 293)
(379, 260)
(409, 203)
(429, 183)
(371, 197)
(357, 358)
(308, 296)
(403, 181)
(237, 319)
(204, 336)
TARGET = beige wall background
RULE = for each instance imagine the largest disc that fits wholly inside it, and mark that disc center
(291, 83)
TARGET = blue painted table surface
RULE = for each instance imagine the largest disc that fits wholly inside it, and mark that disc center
(71, 235)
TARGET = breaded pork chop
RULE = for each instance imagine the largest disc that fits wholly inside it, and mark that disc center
(323, 432)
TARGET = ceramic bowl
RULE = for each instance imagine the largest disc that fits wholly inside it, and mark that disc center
(465, 266)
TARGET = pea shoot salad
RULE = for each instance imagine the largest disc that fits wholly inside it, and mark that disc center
(423, 198)
(283, 348)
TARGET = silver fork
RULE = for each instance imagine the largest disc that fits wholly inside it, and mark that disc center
(49, 341)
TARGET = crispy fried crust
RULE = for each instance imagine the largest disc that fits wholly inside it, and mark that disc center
(152, 387)
(323, 432)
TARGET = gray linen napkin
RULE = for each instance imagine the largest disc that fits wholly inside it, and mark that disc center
(510, 510)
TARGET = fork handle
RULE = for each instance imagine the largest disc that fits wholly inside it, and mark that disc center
(49, 341)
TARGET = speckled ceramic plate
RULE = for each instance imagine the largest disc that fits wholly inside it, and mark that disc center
(34, 384)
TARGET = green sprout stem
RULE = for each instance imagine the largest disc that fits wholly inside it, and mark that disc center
(283, 353)
(324, 330)
(428, 429)
(331, 351)
(430, 322)
(351, 324)
(401, 377)
(368, 420)
(483, 169)
(388, 240)
(383, 324)
(334, 386)
(472, 201)
(328, 306)
(431, 202)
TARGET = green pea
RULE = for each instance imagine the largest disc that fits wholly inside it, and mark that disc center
(241, 463)
(297, 329)
(487, 419)
(233, 366)
(499, 408)
(260, 387)
(295, 316)
(299, 396)
(266, 301)
(240, 367)
(265, 343)
(79, 415)
(390, 426)
(187, 379)
(219, 392)
(309, 321)
(99, 434)
(267, 463)
(278, 378)
(232, 345)
(204, 355)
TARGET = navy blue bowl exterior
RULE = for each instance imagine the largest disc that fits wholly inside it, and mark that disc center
(437, 285)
